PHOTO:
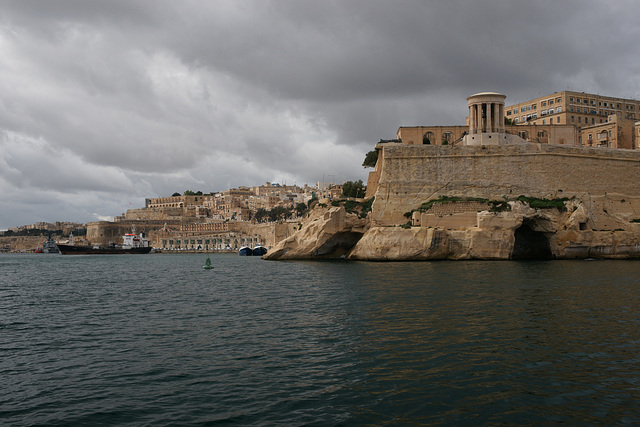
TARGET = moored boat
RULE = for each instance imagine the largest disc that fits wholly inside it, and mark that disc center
(50, 246)
(132, 244)
(245, 251)
(259, 250)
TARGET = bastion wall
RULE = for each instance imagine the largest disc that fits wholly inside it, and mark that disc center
(412, 175)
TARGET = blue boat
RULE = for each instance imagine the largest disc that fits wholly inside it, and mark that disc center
(259, 250)
(245, 251)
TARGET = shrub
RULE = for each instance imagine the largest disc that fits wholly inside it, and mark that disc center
(537, 203)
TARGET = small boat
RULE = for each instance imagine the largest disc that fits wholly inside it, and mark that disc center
(245, 251)
(207, 264)
(50, 246)
(259, 250)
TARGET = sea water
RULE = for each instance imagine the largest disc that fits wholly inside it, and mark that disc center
(157, 340)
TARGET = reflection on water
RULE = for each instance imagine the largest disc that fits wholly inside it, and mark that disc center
(157, 340)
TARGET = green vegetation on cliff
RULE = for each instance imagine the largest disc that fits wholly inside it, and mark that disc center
(354, 189)
(351, 206)
(370, 159)
(495, 205)
(537, 203)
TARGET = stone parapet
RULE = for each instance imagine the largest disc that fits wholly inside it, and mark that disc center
(412, 175)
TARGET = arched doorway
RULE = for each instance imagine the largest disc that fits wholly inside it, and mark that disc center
(428, 137)
(530, 244)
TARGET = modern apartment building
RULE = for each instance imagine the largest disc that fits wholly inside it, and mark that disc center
(572, 108)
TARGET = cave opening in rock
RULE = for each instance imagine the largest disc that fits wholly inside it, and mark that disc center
(530, 244)
(338, 245)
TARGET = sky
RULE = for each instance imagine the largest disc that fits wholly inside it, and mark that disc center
(106, 103)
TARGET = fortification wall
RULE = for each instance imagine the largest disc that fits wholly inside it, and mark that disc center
(269, 234)
(411, 175)
(163, 213)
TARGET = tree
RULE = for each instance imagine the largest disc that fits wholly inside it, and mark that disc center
(279, 212)
(353, 189)
(176, 195)
(261, 214)
(301, 208)
(370, 159)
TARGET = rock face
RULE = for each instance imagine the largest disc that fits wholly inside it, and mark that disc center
(598, 215)
(327, 233)
(520, 233)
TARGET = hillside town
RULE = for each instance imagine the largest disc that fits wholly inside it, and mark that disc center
(267, 214)
(194, 221)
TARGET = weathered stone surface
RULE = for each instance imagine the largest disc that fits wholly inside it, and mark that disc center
(327, 233)
(597, 220)
(396, 243)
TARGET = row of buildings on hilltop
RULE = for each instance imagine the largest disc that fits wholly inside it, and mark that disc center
(216, 221)
(565, 118)
(243, 203)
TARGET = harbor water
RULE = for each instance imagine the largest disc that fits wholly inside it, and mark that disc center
(158, 340)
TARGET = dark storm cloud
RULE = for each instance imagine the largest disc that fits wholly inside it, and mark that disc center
(123, 100)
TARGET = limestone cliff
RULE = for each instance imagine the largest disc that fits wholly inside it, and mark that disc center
(595, 214)
(326, 233)
(522, 232)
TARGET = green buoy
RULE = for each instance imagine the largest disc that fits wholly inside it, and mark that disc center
(207, 264)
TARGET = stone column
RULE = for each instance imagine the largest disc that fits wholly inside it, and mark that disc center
(471, 120)
(489, 117)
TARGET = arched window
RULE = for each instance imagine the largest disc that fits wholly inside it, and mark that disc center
(447, 138)
(428, 137)
(543, 137)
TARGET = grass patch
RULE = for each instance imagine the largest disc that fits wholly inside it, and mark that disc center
(544, 203)
(351, 206)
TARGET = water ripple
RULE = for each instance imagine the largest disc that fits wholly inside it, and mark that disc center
(156, 340)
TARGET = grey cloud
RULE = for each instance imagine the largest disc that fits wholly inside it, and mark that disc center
(150, 97)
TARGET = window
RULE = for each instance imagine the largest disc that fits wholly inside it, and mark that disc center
(544, 103)
(551, 121)
(551, 111)
(571, 99)
(543, 112)
(515, 111)
(579, 119)
(551, 102)
(534, 106)
(578, 110)
(509, 113)
(558, 100)
(515, 120)
(578, 100)
(573, 119)
(571, 109)
(544, 121)
(590, 137)
(559, 110)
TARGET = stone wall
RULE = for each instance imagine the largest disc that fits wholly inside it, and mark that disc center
(411, 175)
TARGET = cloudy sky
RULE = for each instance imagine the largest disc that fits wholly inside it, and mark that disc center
(104, 103)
